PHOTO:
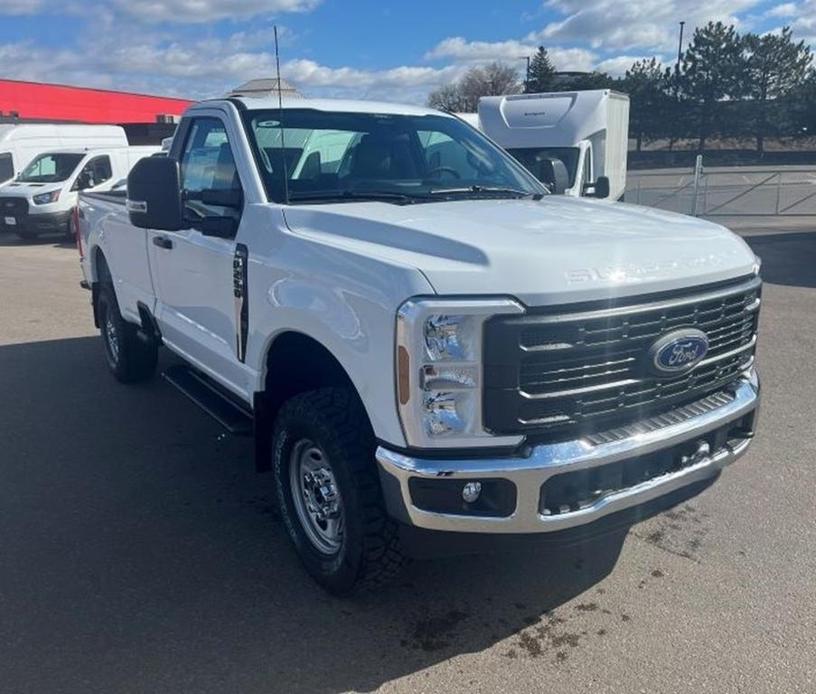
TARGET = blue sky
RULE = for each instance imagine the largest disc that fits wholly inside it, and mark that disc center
(352, 48)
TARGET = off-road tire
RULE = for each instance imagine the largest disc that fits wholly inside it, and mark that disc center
(334, 419)
(133, 360)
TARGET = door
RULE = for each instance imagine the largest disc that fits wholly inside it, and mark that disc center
(193, 272)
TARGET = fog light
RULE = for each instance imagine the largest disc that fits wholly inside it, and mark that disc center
(471, 492)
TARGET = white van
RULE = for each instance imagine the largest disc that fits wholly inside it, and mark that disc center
(575, 142)
(20, 143)
(42, 197)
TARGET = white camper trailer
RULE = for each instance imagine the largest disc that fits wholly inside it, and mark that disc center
(571, 141)
(20, 143)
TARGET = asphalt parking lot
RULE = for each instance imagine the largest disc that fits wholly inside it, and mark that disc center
(140, 552)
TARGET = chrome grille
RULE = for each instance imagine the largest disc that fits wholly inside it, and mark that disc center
(548, 373)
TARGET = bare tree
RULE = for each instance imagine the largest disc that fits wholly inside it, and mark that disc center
(493, 79)
(448, 97)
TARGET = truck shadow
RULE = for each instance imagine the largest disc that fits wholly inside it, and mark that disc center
(143, 553)
(55, 240)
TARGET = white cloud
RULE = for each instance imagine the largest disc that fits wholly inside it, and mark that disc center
(200, 69)
(460, 50)
(804, 25)
(167, 11)
(20, 7)
(644, 24)
(567, 59)
(200, 11)
(618, 65)
(787, 9)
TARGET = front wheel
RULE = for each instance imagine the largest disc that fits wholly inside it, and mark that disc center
(328, 491)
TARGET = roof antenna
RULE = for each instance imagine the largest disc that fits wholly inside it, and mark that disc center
(280, 122)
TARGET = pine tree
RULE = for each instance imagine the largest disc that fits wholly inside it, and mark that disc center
(647, 85)
(541, 73)
(712, 66)
(775, 68)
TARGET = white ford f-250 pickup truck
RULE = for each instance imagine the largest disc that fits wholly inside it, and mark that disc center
(420, 339)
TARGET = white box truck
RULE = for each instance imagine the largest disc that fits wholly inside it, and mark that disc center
(20, 143)
(575, 142)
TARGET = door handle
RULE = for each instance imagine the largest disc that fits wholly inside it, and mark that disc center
(162, 242)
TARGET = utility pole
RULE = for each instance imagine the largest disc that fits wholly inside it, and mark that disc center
(677, 75)
(527, 73)
(679, 50)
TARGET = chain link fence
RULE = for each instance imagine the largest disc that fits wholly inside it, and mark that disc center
(734, 191)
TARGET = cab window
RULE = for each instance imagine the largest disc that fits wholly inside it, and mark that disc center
(96, 172)
(207, 163)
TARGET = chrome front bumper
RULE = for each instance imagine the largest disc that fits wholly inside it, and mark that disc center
(530, 472)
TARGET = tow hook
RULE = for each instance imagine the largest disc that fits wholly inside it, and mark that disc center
(702, 452)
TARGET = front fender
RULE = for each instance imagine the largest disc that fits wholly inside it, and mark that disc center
(344, 300)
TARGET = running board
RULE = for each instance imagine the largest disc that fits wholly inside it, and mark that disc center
(235, 417)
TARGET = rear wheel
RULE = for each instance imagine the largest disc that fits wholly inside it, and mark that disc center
(26, 235)
(328, 491)
(129, 358)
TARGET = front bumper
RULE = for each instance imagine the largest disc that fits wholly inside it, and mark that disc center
(35, 223)
(529, 473)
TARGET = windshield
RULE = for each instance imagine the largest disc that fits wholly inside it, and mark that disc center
(50, 168)
(395, 158)
(534, 160)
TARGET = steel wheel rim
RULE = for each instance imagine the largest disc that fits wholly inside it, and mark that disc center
(111, 337)
(316, 497)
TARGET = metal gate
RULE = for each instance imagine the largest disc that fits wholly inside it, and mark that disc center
(734, 191)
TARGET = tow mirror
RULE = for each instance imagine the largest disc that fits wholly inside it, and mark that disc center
(154, 195)
(598, 189)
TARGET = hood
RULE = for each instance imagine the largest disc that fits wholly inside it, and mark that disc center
(14, 188)
(552, 251)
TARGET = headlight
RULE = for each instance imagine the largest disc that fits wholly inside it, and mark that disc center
(45, 198)
(439, 371)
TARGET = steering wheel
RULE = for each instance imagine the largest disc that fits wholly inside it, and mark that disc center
(440, 169)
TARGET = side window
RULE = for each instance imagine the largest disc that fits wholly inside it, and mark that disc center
(207, 164)
(94, 173)
(6, 167)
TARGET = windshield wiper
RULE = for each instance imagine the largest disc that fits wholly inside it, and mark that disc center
(356, 196)
(479, 191)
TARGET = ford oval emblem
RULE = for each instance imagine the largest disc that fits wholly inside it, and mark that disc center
(679, 351)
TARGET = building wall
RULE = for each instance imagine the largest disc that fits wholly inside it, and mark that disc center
(36, 101)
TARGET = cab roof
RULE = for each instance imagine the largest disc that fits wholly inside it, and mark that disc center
(335, 105)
